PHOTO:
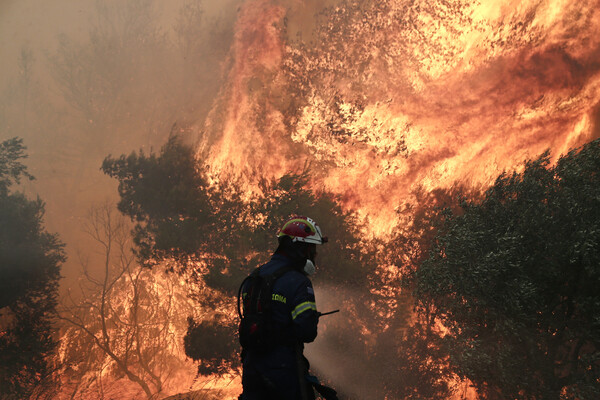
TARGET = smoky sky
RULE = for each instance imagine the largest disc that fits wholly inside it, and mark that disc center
(82, 79)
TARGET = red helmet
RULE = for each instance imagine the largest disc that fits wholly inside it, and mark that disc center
(302, 229)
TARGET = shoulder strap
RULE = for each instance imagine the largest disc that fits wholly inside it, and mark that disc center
(264, 293)
(248, 278)
(260, 302)
(280, 272)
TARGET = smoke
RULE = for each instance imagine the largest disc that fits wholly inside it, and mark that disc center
(85, 79)
(344, 353)
(339, 366)
(377, 108)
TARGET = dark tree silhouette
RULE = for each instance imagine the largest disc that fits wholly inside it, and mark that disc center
(219, 235)
(515, 280)
(30, 260)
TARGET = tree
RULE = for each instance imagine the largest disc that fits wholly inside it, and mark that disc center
(218, 234)
(125, 318)
(181, 217)
(514, 279)
(30, 260)
(166, 195)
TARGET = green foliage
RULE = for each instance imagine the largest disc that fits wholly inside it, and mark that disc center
(30, 260)
(515, 278)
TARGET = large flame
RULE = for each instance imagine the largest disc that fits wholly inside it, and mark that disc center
(396, 95)
(385, 97)
(165, 301)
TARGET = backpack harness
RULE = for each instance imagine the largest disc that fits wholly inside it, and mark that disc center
(256, 329)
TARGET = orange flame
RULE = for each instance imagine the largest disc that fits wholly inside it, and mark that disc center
(233, 135)
(395, 96)
(448, 92)
(167, 303)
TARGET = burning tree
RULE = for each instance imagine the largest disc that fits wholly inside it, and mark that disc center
(514, 281)
(30, 260)
(218, 233)
(126, 320)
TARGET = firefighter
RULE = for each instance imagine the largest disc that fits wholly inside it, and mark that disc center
(278, 369)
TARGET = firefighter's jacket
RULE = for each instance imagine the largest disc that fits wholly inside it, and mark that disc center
(294, 314)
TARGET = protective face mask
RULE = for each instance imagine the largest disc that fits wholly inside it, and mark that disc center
(309, 268)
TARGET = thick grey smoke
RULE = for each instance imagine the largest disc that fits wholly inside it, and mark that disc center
(82, 79)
